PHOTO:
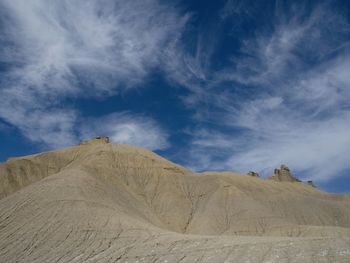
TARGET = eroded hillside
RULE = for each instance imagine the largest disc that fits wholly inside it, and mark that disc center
(101, 202)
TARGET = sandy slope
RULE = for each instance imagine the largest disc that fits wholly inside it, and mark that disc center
(116, 203)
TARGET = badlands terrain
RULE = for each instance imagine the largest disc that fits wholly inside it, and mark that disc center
(103, 202)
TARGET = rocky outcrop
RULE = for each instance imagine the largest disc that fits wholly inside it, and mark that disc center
(96, 140)
(311, 183)
(253, 174)
(283, 175)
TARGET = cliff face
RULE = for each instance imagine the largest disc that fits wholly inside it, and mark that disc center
(101, 202)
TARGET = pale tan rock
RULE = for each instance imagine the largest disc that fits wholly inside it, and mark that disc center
(102, 202)
(283, 175)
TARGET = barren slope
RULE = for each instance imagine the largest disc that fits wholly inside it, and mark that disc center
(116, 203)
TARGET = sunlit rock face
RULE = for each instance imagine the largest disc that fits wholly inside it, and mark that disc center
(283, 175)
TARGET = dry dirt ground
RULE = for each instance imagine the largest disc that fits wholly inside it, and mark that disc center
(103, 202)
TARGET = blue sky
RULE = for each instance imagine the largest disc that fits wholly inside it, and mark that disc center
(213, 85)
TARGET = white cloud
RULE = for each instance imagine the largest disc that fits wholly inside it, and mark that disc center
(54, 127)
(129, 129)
(298, 111)
(309, 130)
(298, 114)
(317, 149)
(298, 39)
(209, 139)
(60, 49)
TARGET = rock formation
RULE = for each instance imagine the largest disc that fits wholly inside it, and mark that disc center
(253, 174)
(311, 183)
(96, 140)
(283, 175)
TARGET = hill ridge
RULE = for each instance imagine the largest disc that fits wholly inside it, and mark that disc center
(116, 203)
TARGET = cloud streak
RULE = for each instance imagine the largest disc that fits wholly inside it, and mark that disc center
(281, 96)
(128, 128)
(56, 50)
(284, 98)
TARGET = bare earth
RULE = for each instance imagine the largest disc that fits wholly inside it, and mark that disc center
(103, 202)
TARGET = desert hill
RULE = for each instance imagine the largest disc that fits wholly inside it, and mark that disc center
(103, 202)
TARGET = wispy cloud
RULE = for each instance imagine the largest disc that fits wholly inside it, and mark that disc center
(281, 96)
(283, 99)
(127, 128)
(316, 150)
(66, 49)
(299, 38)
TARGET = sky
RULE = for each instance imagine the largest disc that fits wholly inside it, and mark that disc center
(226, 85)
